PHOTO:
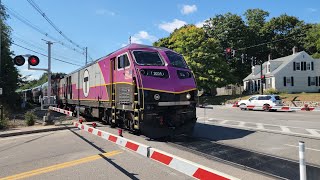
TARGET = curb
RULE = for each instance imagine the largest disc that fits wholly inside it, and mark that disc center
(34, 131)
(179, 164)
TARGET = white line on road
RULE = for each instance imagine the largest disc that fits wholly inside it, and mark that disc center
(285, 129)
(259, 126)
(306, 148)
(242, 124)
(313, 132)
(223, 122)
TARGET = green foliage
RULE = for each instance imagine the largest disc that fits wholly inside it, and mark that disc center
(9, 74)
(4, 121)
(30, 118)
(312, 41)
(202, 55)
(272, 91)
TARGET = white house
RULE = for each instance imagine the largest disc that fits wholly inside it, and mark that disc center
(298, 72)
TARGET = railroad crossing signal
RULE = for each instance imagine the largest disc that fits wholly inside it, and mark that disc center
(19, 60)
(32, 60)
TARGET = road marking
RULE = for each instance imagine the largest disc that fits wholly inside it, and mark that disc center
(223, 122)
(60, 166)
(259, 126)
(285, 129)
(242, 124)
(306, 148)
(313, 132)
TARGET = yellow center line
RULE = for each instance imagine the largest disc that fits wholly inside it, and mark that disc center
(60, 166)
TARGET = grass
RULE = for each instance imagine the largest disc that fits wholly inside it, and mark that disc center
(218, 100)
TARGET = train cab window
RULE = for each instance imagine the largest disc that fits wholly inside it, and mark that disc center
(123, 61)
(148, 58)
(176, 60)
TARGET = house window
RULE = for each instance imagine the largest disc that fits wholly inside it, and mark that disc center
(268, 68)
(313, 81)
(288, 80)
(298, 66)
(308, 66)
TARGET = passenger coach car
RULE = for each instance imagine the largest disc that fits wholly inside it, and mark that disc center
(142, 88)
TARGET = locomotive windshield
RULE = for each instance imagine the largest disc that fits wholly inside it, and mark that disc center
(176, 60)
(148, 58)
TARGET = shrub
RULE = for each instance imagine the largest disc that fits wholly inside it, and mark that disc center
(30, 118)
(4, 121)
(272, 91)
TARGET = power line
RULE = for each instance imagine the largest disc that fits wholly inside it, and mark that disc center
(35, 6)
(256, 45)
(45, 55)
(28, 23)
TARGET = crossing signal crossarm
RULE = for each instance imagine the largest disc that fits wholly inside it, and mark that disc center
(46, 55)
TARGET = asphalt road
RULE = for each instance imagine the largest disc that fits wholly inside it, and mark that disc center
(74, 155)
(274, 133)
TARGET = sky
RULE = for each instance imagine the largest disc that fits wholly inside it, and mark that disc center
(104, 26)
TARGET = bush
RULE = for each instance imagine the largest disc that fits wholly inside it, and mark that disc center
(30, 118)
(272, 91)
(4, 121)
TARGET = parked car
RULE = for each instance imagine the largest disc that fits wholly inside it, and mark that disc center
(264, 101)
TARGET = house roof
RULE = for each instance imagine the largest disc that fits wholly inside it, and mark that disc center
(284, 60)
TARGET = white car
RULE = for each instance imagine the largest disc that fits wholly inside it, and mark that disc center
(266, 102)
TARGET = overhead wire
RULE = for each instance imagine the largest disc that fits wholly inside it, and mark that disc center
(28, 23)
(45, 54)
(35, 6)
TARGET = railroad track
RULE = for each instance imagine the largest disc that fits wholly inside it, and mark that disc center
(268, 165)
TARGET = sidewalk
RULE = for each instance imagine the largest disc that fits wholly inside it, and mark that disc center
(35, 129)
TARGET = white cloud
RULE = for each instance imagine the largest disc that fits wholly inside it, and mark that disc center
(188, 9)
(200, 24)
(104, 11)
(142, 35)
(312, 10)
(171, 26)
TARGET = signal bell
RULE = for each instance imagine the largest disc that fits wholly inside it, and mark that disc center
(33, 60)
(19, 60)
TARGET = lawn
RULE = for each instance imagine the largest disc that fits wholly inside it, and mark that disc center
(218, 100)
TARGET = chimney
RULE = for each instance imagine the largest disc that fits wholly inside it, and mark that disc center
(294, 50)
(269, 57)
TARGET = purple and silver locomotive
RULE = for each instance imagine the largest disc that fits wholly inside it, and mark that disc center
(142, 88)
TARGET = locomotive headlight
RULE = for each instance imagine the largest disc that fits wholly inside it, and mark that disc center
(188, 96)
(156, 97)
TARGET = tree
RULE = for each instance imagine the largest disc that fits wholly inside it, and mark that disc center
(312, 41)
(9, 74)
(230, 31)
(287, 32)
(202, 55)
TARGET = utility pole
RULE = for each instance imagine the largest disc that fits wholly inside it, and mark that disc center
(261, 83)
(49, 70)
(86, 55)
(0, 36)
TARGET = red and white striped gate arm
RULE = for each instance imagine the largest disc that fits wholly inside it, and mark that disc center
(187, 167)
(134, 146)
(66, 112)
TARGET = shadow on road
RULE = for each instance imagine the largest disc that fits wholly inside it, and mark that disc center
(217, 133)
(130, 175)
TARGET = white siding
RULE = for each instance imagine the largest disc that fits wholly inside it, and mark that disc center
(300, 77)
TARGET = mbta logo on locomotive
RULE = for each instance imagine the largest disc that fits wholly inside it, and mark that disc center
(86, 83)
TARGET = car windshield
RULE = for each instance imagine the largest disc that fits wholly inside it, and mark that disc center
(277, 97)
(176, 60)
(148, 58)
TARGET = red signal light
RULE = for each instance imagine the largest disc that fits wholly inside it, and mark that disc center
(19, 60)
(228, 50)
(33, 60)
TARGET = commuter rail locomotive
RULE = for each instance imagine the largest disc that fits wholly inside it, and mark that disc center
(142, 88)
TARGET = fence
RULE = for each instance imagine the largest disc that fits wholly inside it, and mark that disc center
(229, 90)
